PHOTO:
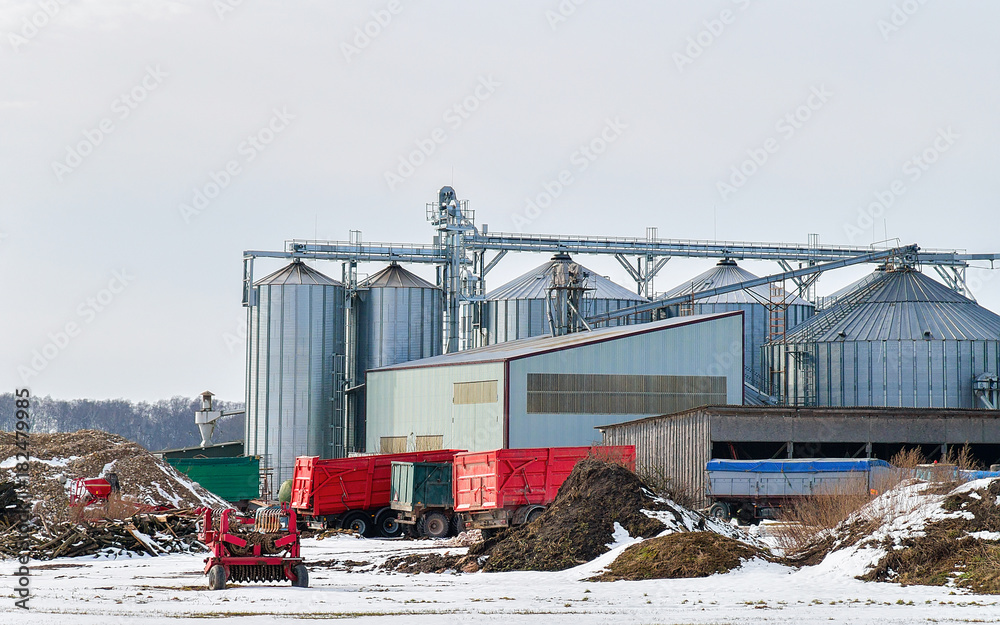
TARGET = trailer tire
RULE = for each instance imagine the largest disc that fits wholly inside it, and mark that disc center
(745, 515)
(217, 577)
(534, 514)
(456, 524)
(720, 511)
(435, 525)
(387, 524)
(359, 522)
(302, 576)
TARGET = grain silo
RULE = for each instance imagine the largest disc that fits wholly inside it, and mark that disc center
(519, 309)
(787, 310)
(294, 344)
(400, 318)
(898, 339)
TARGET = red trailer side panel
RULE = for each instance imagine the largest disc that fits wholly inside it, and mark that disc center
(322, 487)
(510, 478)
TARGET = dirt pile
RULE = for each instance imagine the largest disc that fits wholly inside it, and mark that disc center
(57, 460)
(959, 544)
(579, 525)
(680, 555)
(430, 563)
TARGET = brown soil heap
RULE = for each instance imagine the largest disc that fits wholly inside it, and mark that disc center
(681, 555)
(57, 460)
(579, 524)
(945, 552)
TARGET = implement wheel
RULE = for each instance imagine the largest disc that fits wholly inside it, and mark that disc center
(436, 525)
(302, 575)
(217, 577)
(358, 522)
(720, 511)
(387, 524)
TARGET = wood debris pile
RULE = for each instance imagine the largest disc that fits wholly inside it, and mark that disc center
(142, 534)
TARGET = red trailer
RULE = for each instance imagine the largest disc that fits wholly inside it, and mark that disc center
(353, 493)
(507, 487)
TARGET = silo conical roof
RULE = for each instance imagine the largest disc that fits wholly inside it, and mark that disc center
(535, 283)
(395, 276)
(726, 273)
(900, 304)
(297, 273)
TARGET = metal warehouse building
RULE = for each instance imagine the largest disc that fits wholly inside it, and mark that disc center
(677, 446)
(553, 391)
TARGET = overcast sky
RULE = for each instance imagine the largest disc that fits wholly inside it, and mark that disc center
(300, 119)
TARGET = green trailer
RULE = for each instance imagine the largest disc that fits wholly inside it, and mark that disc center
(232, 479)
(421, 495)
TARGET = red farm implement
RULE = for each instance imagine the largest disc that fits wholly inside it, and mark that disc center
(259, 548)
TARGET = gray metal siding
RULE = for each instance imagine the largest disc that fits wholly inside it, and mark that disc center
(707, 348)
(420, 402)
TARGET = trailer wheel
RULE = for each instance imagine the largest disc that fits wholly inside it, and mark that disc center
(745, 515)
(387, 524)
(217, 577)
(302, 576)
(720, 510)
(534, 514)
(435, 525)
(358, 522)
(456, 524)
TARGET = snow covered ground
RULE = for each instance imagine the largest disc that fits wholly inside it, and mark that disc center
(171, 589)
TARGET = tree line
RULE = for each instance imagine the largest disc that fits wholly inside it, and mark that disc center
(164, 424)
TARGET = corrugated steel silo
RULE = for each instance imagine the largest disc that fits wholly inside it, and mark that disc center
(899, 339)
(753, 302)
(294, 344)
(518, 309)
(400, 318)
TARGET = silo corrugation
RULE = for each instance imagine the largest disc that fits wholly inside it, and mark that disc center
(400, 318)
(295, 337)
(753, 304)
(518, 309)
(899, 339)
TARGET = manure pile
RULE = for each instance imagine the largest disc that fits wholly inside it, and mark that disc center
(57, 460)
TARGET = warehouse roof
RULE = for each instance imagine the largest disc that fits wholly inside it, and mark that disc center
(513, 350)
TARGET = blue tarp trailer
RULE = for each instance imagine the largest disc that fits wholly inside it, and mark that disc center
(754, 489)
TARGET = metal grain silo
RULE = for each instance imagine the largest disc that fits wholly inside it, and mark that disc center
(295, 345)
(753, 302)
(518, 309)
(400, 318)
(898, 339)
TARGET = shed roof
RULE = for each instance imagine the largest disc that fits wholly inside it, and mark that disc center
(522, 348)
